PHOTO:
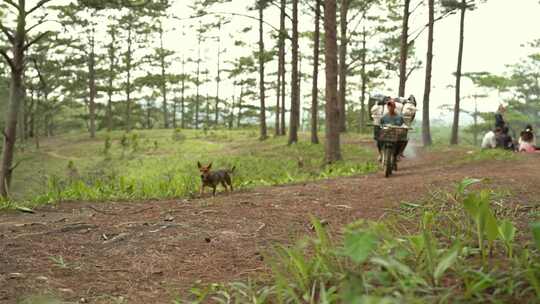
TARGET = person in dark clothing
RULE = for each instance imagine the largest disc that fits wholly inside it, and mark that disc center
(499, 118)
(392, 118)
(504, 140)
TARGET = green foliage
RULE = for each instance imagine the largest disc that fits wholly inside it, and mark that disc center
(507, 233)
(477, 206)
(107, 146)
(177, 135)
(358, 244)
(382, 263)
(134, 168)
(535, 228)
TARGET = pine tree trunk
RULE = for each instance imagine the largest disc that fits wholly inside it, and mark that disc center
(332, 145)
(283, 127)
(475, 125)
(282, 34)
(148, 114)
(31, 114)
(197, 98)
(174, 112)
(92, 85)
(112, 71)
(239, 105)
(207, 102)
(404, 49)
(16, 96)
(315, 88)
(278, 95)
(231, 114)
(163, 80)
(262, 113)
(182, 100)
(426, 133)
(343, 66)
(364, 83)
(128, 78)
(295, 99)
(216, 118)
(455, 125)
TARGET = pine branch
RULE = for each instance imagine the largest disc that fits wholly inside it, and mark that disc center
(39, 37)
(424, 27)
(8, 32)
(232, 14)
(40, 4)
(415, 8)
(9, 61)
(35, 25)
(16, 6)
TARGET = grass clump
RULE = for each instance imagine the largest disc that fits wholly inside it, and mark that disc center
(459, 247)
(152, 164)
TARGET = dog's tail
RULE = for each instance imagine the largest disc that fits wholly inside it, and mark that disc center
(231, 171)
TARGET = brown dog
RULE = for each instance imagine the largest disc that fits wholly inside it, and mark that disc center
(212, 179)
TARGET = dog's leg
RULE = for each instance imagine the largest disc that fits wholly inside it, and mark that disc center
(224, 185)
(229, 182)
(214, 191)
(201, 192)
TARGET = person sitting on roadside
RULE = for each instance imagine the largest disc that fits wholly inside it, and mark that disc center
(526, 143)
(499, 118)
(504, 140)
(392, 118)
(528, 131)
(490, 139)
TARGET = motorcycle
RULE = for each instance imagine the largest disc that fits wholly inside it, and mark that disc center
(390, 138)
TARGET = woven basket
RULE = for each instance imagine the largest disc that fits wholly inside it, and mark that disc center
(393, 134)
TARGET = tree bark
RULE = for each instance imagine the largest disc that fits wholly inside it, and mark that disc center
(182, 100)
(295, 99)
(16, 96)
(92, 84)
(239, 105)
(207, 102)
(197, 98)
(128, 78)
(332, 145)
(426, 133)
(343, 65)
(278, 95)
(182, 105)
(404, 49)
(364, 82)
(262, 112)
(216, 118)
(163, 79)
(455, 125)
(315, 88)
(112, 71)
(282, 32)
(148, 114)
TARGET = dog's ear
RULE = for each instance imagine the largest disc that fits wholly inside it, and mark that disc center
(209, 166)
(199, 164)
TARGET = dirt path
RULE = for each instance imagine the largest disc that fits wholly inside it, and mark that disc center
(149, 251)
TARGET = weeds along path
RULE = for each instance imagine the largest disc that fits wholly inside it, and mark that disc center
(149, 251)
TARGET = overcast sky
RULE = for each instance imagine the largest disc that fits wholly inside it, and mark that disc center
(494, 37)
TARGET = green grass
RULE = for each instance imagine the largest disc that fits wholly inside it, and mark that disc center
(461, 246)
(161, 164)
